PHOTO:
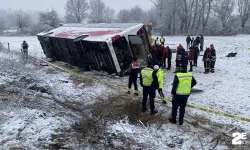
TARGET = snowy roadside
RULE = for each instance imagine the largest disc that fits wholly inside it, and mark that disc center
(71, 92)
(35, 102)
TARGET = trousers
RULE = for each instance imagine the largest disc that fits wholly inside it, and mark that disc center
(179, 101)
(148, 91)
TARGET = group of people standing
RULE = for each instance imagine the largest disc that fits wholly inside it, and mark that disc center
(152, 77)
(160, 54)
(199, 40)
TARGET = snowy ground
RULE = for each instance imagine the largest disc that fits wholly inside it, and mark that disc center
(42, 107)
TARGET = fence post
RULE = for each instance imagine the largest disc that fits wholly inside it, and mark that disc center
(8, 46)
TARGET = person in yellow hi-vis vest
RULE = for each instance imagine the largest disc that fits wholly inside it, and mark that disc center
(183, 82)
(160, 75)
(149, 82)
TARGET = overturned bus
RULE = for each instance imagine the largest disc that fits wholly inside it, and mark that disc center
(107, 47)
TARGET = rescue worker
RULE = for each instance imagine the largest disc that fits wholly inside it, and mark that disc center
(162, 40)
(209, 59)
(183, 82)
(156, 43)
(213, 58)
(160, 75)
(24, 49)
(133, 70)
(149, 82)
(188, 40)
(178, 58)
(169, 56)
(184, 60)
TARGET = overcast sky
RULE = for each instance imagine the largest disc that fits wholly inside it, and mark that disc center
(59, 4)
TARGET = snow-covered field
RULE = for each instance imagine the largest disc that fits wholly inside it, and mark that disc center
(31, 118)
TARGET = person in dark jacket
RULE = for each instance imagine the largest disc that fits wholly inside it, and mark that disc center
(164, 56)
(201, 43)
(184, 60)
(192, 41)
(188, 40)
(155, 55)
(159, 54)
(169, 56)
(197, 41)
(196, 54)
(133, 70)
(183, 82)
(149, 82)
(191, 55)
(178, 58)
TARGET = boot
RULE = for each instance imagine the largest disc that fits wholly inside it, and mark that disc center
(206, 71)
(154, 112)
(128, 92)
(164, 102)
(180, 121)
(144, 110)
(136, 94)
(172, 120)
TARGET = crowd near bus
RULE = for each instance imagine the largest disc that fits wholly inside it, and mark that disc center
(159, 58)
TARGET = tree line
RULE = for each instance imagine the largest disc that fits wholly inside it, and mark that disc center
(169, 17)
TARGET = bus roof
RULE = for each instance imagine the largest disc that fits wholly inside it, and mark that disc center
(93, 32)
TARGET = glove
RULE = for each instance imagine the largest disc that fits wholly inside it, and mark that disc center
(160, 90)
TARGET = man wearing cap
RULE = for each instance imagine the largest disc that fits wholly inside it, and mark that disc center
(160, 75)
(183, 82)
(149, 82)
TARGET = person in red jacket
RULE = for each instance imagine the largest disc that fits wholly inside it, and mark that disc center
(164, 56)
(191, 55)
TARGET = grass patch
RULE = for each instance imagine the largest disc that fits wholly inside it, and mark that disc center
(50, 71)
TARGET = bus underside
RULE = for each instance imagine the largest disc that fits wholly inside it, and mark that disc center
(92, 55)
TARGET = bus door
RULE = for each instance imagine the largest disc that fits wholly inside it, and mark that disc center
(139, 48)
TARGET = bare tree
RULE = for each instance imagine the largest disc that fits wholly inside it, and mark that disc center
(97, 8)
(76, 10)
(244, 11)
(205, 13)
(50, 19)
(123, 16)
(108, 16)
(136, 14)
(2, 20)
(22, 19)
(224, 9)
(100, 13)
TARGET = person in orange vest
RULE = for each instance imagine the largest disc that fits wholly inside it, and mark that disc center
(133, 70)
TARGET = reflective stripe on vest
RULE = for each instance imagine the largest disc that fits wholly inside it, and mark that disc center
(147, 76)
(185, 81)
